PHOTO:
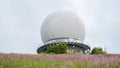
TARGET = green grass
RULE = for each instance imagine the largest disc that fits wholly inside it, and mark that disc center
(59, 61)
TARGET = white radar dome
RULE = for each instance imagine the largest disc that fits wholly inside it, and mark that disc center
(62, 24)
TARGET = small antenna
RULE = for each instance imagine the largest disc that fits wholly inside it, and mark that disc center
(104, 48)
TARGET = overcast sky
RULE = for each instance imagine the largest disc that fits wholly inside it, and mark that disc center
(20, 23)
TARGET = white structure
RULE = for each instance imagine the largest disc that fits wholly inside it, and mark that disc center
(63, 26)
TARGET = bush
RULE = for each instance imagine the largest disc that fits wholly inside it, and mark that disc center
(58, 48)
(97, 50)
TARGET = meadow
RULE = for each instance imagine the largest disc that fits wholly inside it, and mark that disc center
(59, 61)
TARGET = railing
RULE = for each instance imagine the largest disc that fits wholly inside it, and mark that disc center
(62, 39)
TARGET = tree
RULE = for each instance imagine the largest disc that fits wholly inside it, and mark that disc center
(97, 50)
(58, 48)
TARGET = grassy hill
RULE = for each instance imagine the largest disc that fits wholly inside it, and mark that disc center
(59, 61)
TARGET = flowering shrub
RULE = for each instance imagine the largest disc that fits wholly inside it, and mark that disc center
(59, 61)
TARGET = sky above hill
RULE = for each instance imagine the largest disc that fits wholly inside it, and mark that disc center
(21, 20)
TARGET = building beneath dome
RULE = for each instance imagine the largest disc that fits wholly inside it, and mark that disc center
(63, 27)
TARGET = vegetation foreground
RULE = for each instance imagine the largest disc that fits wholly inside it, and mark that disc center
(59, 61)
